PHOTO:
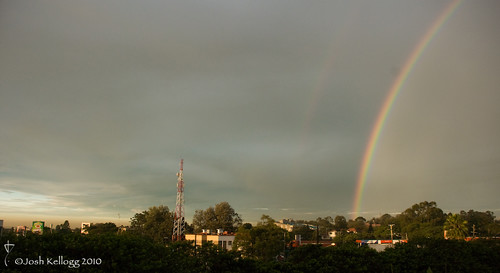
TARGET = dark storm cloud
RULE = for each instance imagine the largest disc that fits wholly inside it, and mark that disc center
(270, 104)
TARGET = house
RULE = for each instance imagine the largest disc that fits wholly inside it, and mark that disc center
(332, 234)
(222, 239)
(352, 230)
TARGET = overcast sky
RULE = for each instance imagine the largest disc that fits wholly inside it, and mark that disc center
(270, 103)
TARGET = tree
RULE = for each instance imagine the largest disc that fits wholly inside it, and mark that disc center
(102, 228)
(340, 223)
(424, 212)
(358, 224)
(244, 241)
(262, 242)
(156, 223)
(456, 227)
(65, 228)
(345, 258)
(344, 238)
(424, 219)
(304, 231)
(480, 222)
(324, 225)
(247, 226)
(360, 219)
(266, 220)
(221, 216)
(370, 229)
(385, 220)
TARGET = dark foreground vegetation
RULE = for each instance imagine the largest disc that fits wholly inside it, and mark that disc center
(134, 253)
(146, 246)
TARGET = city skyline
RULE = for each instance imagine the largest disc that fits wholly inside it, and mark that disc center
(272, 105)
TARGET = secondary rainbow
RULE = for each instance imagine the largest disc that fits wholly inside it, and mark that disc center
(391, 97)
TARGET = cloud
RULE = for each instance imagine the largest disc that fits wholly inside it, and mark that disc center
(269, 107)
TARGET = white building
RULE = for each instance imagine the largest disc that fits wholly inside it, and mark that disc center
(222, 239)
(288, 224)
(287, 227)
(332, 234)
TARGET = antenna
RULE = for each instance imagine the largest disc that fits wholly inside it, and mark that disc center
(178, 230)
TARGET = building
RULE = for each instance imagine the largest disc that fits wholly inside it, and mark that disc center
(21, 230)
(290, 224)
(287, 227)
(380, 245)
(222, 239)
(332, 234)
(352, 230)
(83, 228)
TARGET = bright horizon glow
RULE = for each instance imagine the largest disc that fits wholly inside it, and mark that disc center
(390, 99)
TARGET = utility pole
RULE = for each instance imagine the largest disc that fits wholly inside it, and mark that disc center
(178, 230)
(317, 234)
(392, 238)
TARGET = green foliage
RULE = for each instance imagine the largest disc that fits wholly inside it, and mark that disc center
(483, 223)
(135, 253)
(268, 241)
(325, 225)
(305, 232)
(426, 220)
(422, 220)
(370, 229)
(121, 253)
(455, 227)
(494, 229)
(344, 238)
(244, 241)
(116, 252)
(102, 228)
(155, 223)
(221, 216)
(381, 232)
(443, 256)
(340, 223)
(423, 212)
(385, 220)
(348, 258)
(143, 249)
(263, 242)
(266, 220)
(210, 258)
(65, 228)
(359, 225)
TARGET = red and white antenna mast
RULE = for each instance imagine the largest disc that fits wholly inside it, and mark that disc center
(178, 231)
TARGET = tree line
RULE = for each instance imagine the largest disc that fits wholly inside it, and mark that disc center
(422, 220)
(145, 246)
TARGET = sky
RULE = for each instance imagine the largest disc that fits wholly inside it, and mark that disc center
(270, 104)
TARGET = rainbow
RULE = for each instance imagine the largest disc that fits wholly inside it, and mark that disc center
(391, 97)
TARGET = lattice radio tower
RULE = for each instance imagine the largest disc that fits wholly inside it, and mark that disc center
(178, 232)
